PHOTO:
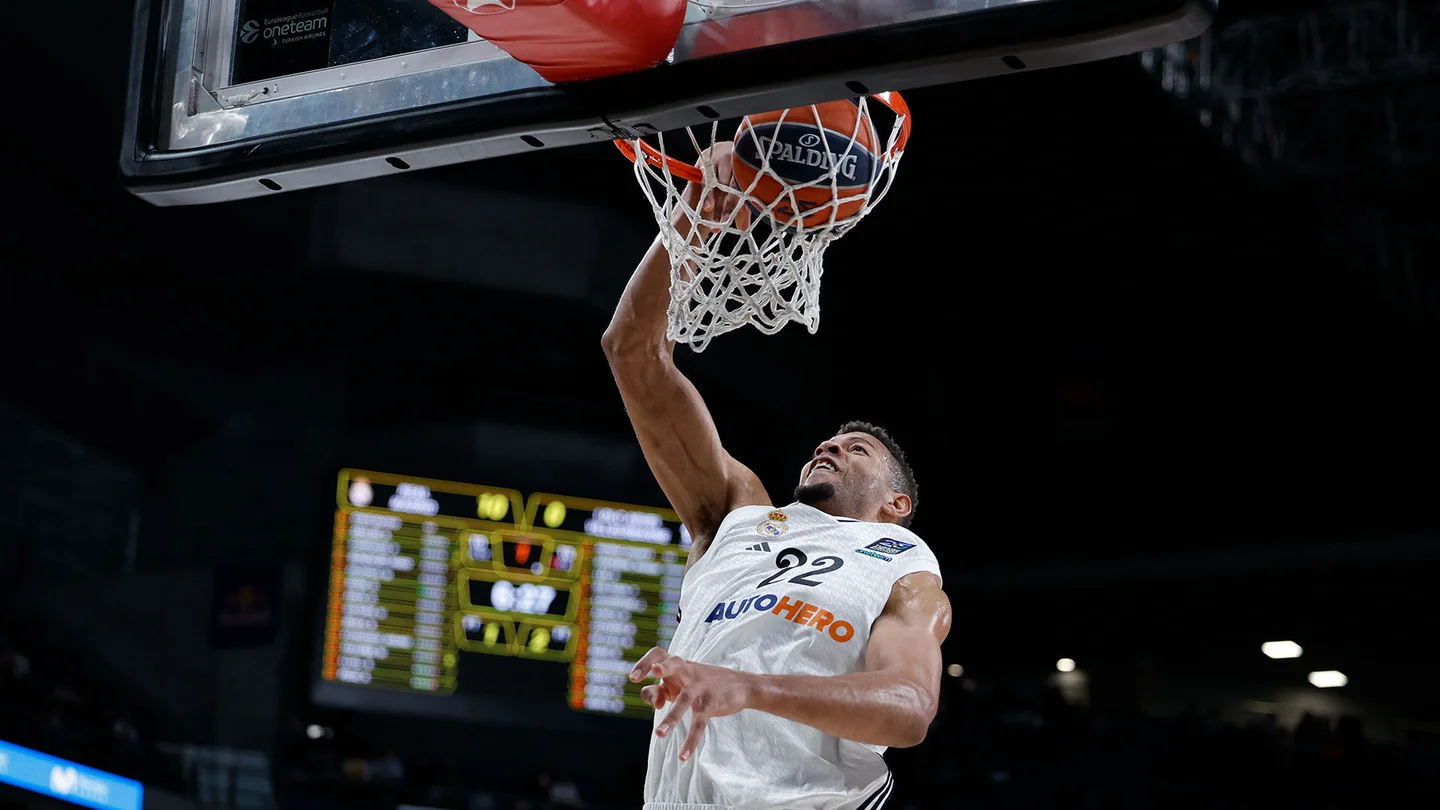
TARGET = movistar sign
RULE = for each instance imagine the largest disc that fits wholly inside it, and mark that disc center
(67, 781)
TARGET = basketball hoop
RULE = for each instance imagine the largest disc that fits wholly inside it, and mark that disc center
(761, 262)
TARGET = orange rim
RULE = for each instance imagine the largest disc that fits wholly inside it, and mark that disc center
(692, 173)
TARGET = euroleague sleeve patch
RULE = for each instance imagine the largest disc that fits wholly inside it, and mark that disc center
(887, 545)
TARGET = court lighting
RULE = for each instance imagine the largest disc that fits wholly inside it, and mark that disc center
(1281, 649)
(1328, 678)
(1065, 665)
(955, 670)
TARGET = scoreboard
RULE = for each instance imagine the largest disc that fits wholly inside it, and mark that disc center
(425, 572)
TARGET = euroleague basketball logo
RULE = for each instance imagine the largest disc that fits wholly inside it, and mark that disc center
(277, 31)
(804, 153)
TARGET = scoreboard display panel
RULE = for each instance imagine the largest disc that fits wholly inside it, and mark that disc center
(431, 582)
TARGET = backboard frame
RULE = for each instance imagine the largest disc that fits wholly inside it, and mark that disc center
(192, 138)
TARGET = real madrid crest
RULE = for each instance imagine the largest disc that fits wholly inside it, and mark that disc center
(772, 526)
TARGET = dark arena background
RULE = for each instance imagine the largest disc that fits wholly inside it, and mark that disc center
(1160, 333)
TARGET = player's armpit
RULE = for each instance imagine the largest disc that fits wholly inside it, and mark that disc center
(701, 480)
(905, 641)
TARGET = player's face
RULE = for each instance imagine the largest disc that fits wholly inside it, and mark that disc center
(849, 476)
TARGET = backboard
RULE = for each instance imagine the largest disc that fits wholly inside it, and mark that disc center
(240, 98)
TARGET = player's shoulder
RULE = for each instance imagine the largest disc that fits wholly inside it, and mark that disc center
(903, 551)
(893, 532)
(746, 515)
(745, 512)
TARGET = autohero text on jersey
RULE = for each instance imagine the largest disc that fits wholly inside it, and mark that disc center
(794, 610)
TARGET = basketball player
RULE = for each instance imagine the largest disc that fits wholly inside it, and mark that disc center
(810, 634)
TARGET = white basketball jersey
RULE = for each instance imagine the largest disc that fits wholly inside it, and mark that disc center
(781, 591)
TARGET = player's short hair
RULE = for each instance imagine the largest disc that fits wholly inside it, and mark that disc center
(902, 478)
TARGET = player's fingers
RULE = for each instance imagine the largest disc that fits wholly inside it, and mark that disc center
(723, 153)
(669, 688)
(671, 668)
(677, 711)
(648, 660)
(726, 205)
(661, 693)
(654, 695)
(698, 721)
(725, 176)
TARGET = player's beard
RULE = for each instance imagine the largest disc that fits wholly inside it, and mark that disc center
(815, 494)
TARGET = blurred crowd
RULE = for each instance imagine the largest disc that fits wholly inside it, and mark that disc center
(324, 768)
(49, 706)
(991, 748)
(1001, 748)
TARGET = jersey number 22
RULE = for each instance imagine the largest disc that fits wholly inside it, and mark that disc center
(791, 559)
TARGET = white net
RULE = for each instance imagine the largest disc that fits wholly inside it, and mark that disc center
(758, 262)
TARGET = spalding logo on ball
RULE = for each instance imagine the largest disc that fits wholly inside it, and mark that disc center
(822, 160)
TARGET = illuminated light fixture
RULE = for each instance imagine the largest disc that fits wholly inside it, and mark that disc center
(314, 732)
(1327, 679)
(1065, 665)
(1281, 649)
(955, 670)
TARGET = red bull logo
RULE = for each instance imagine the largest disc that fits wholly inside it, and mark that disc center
(794, 610)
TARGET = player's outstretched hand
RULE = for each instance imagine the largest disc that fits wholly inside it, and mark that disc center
(706, 691)
(719, 207)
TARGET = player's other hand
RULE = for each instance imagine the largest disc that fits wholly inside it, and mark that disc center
(659, 693)
(703, 690)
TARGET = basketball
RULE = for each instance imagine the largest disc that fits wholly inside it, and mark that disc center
(823, 160)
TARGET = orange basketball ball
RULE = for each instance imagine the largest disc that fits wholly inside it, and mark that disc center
(826, 153)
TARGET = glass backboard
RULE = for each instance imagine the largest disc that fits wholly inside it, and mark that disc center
(239, 98)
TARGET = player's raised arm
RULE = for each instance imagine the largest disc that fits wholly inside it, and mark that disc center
(702, 481)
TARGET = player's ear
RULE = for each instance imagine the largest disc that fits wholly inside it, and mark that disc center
(898, 506)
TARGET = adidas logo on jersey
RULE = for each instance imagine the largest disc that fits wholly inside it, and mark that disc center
(758, 547)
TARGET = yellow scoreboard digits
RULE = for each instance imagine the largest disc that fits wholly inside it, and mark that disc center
(554, 514)
(492, 506)
(424, 570)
